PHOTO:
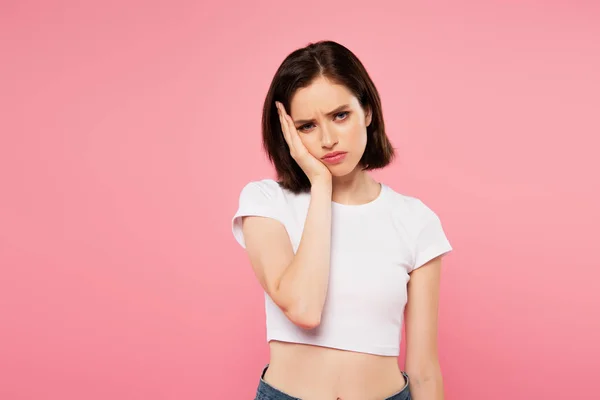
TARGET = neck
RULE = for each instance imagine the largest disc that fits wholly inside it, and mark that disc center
(358, 187)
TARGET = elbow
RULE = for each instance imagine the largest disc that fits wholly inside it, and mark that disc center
(308, 321)
(302, 310)
(304, 317)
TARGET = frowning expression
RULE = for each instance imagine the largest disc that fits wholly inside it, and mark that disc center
(331, 123)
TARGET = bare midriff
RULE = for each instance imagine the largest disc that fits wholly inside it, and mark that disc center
(321, 373)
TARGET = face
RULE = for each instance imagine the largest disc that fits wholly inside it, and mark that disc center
(329, 118)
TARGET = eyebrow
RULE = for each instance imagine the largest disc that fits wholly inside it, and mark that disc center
(330, 113)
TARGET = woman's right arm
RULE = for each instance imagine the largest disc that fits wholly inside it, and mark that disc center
(296, 283)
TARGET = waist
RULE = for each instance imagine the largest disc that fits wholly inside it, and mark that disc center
(308, 371)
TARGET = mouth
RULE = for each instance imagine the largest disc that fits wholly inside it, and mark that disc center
(334, 157)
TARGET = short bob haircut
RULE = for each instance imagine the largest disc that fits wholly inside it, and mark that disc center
(338, 64)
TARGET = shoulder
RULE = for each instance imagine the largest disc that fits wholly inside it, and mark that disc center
(270, 191)
(422, 224)
(268, 188)
(410, 214)
(260, 198)
(262, 192)
(409, 208)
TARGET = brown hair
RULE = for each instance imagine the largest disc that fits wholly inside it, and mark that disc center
(338, 64)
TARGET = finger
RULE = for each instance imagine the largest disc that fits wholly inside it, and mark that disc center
(284, 129)
(284, 126)
(293, 132)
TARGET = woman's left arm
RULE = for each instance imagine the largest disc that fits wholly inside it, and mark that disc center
(422, 362)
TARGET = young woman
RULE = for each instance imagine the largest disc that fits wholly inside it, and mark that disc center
(344, 260)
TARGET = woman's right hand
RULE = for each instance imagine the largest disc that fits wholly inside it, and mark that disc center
(312, 167)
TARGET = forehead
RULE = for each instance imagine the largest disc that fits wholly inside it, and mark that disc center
(320, 97)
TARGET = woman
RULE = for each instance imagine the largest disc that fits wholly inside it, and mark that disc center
(343, 260)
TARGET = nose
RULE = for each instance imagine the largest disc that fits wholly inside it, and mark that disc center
(329, 137)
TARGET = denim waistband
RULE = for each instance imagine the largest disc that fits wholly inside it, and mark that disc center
(268, 392)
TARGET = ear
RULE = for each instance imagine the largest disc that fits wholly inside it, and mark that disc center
(368, 116)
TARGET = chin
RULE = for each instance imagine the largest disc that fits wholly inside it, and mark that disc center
(342, 169)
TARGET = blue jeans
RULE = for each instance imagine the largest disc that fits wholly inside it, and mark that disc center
(268, 392)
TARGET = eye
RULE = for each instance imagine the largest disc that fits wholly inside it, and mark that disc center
(341, 116)
(344, 115)
(305, 128)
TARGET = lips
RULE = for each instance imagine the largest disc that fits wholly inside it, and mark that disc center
(335, 157)
(332, 155)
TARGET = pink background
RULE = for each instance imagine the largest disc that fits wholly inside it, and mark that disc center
(128, 129)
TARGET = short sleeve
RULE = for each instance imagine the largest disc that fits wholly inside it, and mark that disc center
(431, 240)
(258, 198)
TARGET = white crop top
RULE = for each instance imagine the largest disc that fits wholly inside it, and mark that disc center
(374, 247)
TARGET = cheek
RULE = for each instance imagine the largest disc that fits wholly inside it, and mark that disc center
(311, 143)
(363, 138)
(357, 137)
(357, 143)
